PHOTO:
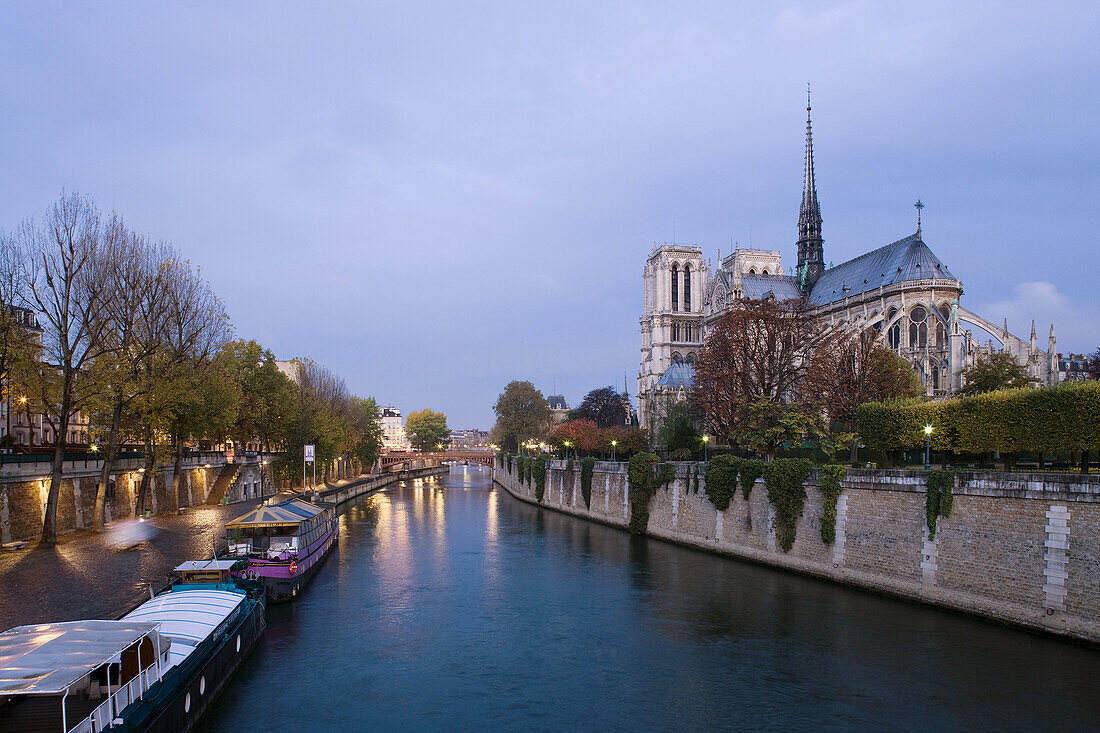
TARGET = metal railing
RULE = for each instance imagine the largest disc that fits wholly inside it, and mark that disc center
(100, 719)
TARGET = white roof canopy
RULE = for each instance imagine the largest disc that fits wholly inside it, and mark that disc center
(207, 565)
(46, 659)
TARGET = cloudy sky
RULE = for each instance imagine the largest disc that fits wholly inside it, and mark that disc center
(434, 199)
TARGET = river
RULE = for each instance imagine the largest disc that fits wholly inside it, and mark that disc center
(450, 605)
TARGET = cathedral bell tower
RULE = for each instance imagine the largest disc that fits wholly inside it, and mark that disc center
(811, 258)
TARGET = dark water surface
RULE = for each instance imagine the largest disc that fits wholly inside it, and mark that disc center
(450, 605)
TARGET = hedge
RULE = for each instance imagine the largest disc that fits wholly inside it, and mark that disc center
(1045, 419)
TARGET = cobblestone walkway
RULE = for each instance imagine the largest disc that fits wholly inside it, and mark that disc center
(86, 576)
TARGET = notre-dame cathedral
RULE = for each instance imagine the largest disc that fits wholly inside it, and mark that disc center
(901, 290)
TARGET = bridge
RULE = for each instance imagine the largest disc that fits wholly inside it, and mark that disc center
(395, 460)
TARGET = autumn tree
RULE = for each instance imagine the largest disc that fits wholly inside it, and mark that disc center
(522, 414)
(852, 370)
(1094, 365)
(628, 439)
(427, 430)
(582, 435)
(17, 346)
(758, 352)
(364, 411)
(603, 406)
(990, 372)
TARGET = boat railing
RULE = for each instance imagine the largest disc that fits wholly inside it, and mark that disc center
(104, 714)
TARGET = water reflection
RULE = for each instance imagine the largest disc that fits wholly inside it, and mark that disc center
(451, 605)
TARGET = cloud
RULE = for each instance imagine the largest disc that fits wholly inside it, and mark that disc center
(1075, 322)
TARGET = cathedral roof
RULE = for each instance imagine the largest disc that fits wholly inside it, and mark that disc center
(902, 261)
(680, 374)
(780, 287)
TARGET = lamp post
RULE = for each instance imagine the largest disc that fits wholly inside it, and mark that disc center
(706, 439)
(927, 446)
(613, 444)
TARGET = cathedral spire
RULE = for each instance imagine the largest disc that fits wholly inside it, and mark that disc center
(810, 254)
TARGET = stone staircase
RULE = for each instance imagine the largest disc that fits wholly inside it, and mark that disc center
(222, 484)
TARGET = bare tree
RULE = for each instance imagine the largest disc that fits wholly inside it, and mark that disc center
(66, 284)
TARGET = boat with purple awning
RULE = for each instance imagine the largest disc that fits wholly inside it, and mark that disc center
(284, 543)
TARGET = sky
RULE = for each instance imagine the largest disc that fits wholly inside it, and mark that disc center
(434, 199)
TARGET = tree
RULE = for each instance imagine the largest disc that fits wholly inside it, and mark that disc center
(1094, 365)
(267, 395)
(603, 406)
(767, 424)
(66, 284)
(16, 344)
(678, 433)
(427, 430)
(760, 350)
(628, 440)
(522, 414)
(852, 370)
(582, 435)
(365, 416)
(990, 372)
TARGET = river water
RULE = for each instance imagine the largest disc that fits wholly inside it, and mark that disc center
(450, 605)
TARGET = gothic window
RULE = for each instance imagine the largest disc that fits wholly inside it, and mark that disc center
(752, 270)
(675, 358)
(893, 336)
(675, 288)
(675, 331)
(764, 272)
(918, 328)
(691, 359)
(687, 288)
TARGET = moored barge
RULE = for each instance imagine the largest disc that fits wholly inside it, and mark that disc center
(159, 668)
(284, 544)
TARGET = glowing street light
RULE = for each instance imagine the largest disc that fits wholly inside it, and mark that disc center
(927, 446)
(613, 444)
(706, 439)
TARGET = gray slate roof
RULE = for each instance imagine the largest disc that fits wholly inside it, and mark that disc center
(678, 375)
(902, 261)
(781, 287)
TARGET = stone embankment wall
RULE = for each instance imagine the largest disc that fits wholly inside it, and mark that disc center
(24, 488)
(367, 484)
(1019, 548)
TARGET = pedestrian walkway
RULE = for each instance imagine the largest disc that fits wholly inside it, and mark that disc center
(86, 576)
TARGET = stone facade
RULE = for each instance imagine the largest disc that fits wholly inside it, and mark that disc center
(901, 291)
(1023, 549)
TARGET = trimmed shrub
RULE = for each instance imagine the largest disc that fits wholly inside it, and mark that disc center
(721, 480)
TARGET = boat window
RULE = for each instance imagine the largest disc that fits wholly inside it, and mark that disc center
(187, 703)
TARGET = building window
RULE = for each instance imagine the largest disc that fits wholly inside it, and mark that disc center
(687, 288)
(675, 331)
(918, 328)
(675, 288)
(893, 336)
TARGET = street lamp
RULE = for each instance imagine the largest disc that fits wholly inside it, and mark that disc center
(927, 446)
(706, 439)
(613, 444)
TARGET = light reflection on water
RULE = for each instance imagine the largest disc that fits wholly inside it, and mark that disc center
(451, 605)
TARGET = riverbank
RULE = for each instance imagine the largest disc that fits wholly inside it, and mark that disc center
(1004, 553)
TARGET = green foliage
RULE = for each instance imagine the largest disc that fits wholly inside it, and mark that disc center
(1046, 419)
(644, 482)
(695, 482)
(588, 466)
(678, 433)
(939, 499)
(522, 414)
(721, 480)
(991, 372)
(603, 406)
(785, 478)
(569, 466)
(751, 470)
(767, 424)
(539, 469)
(829, 478)
(509, 457)
(427, 430)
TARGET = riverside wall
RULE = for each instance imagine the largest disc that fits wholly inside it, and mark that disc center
(1018, 548)
(365, 485)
